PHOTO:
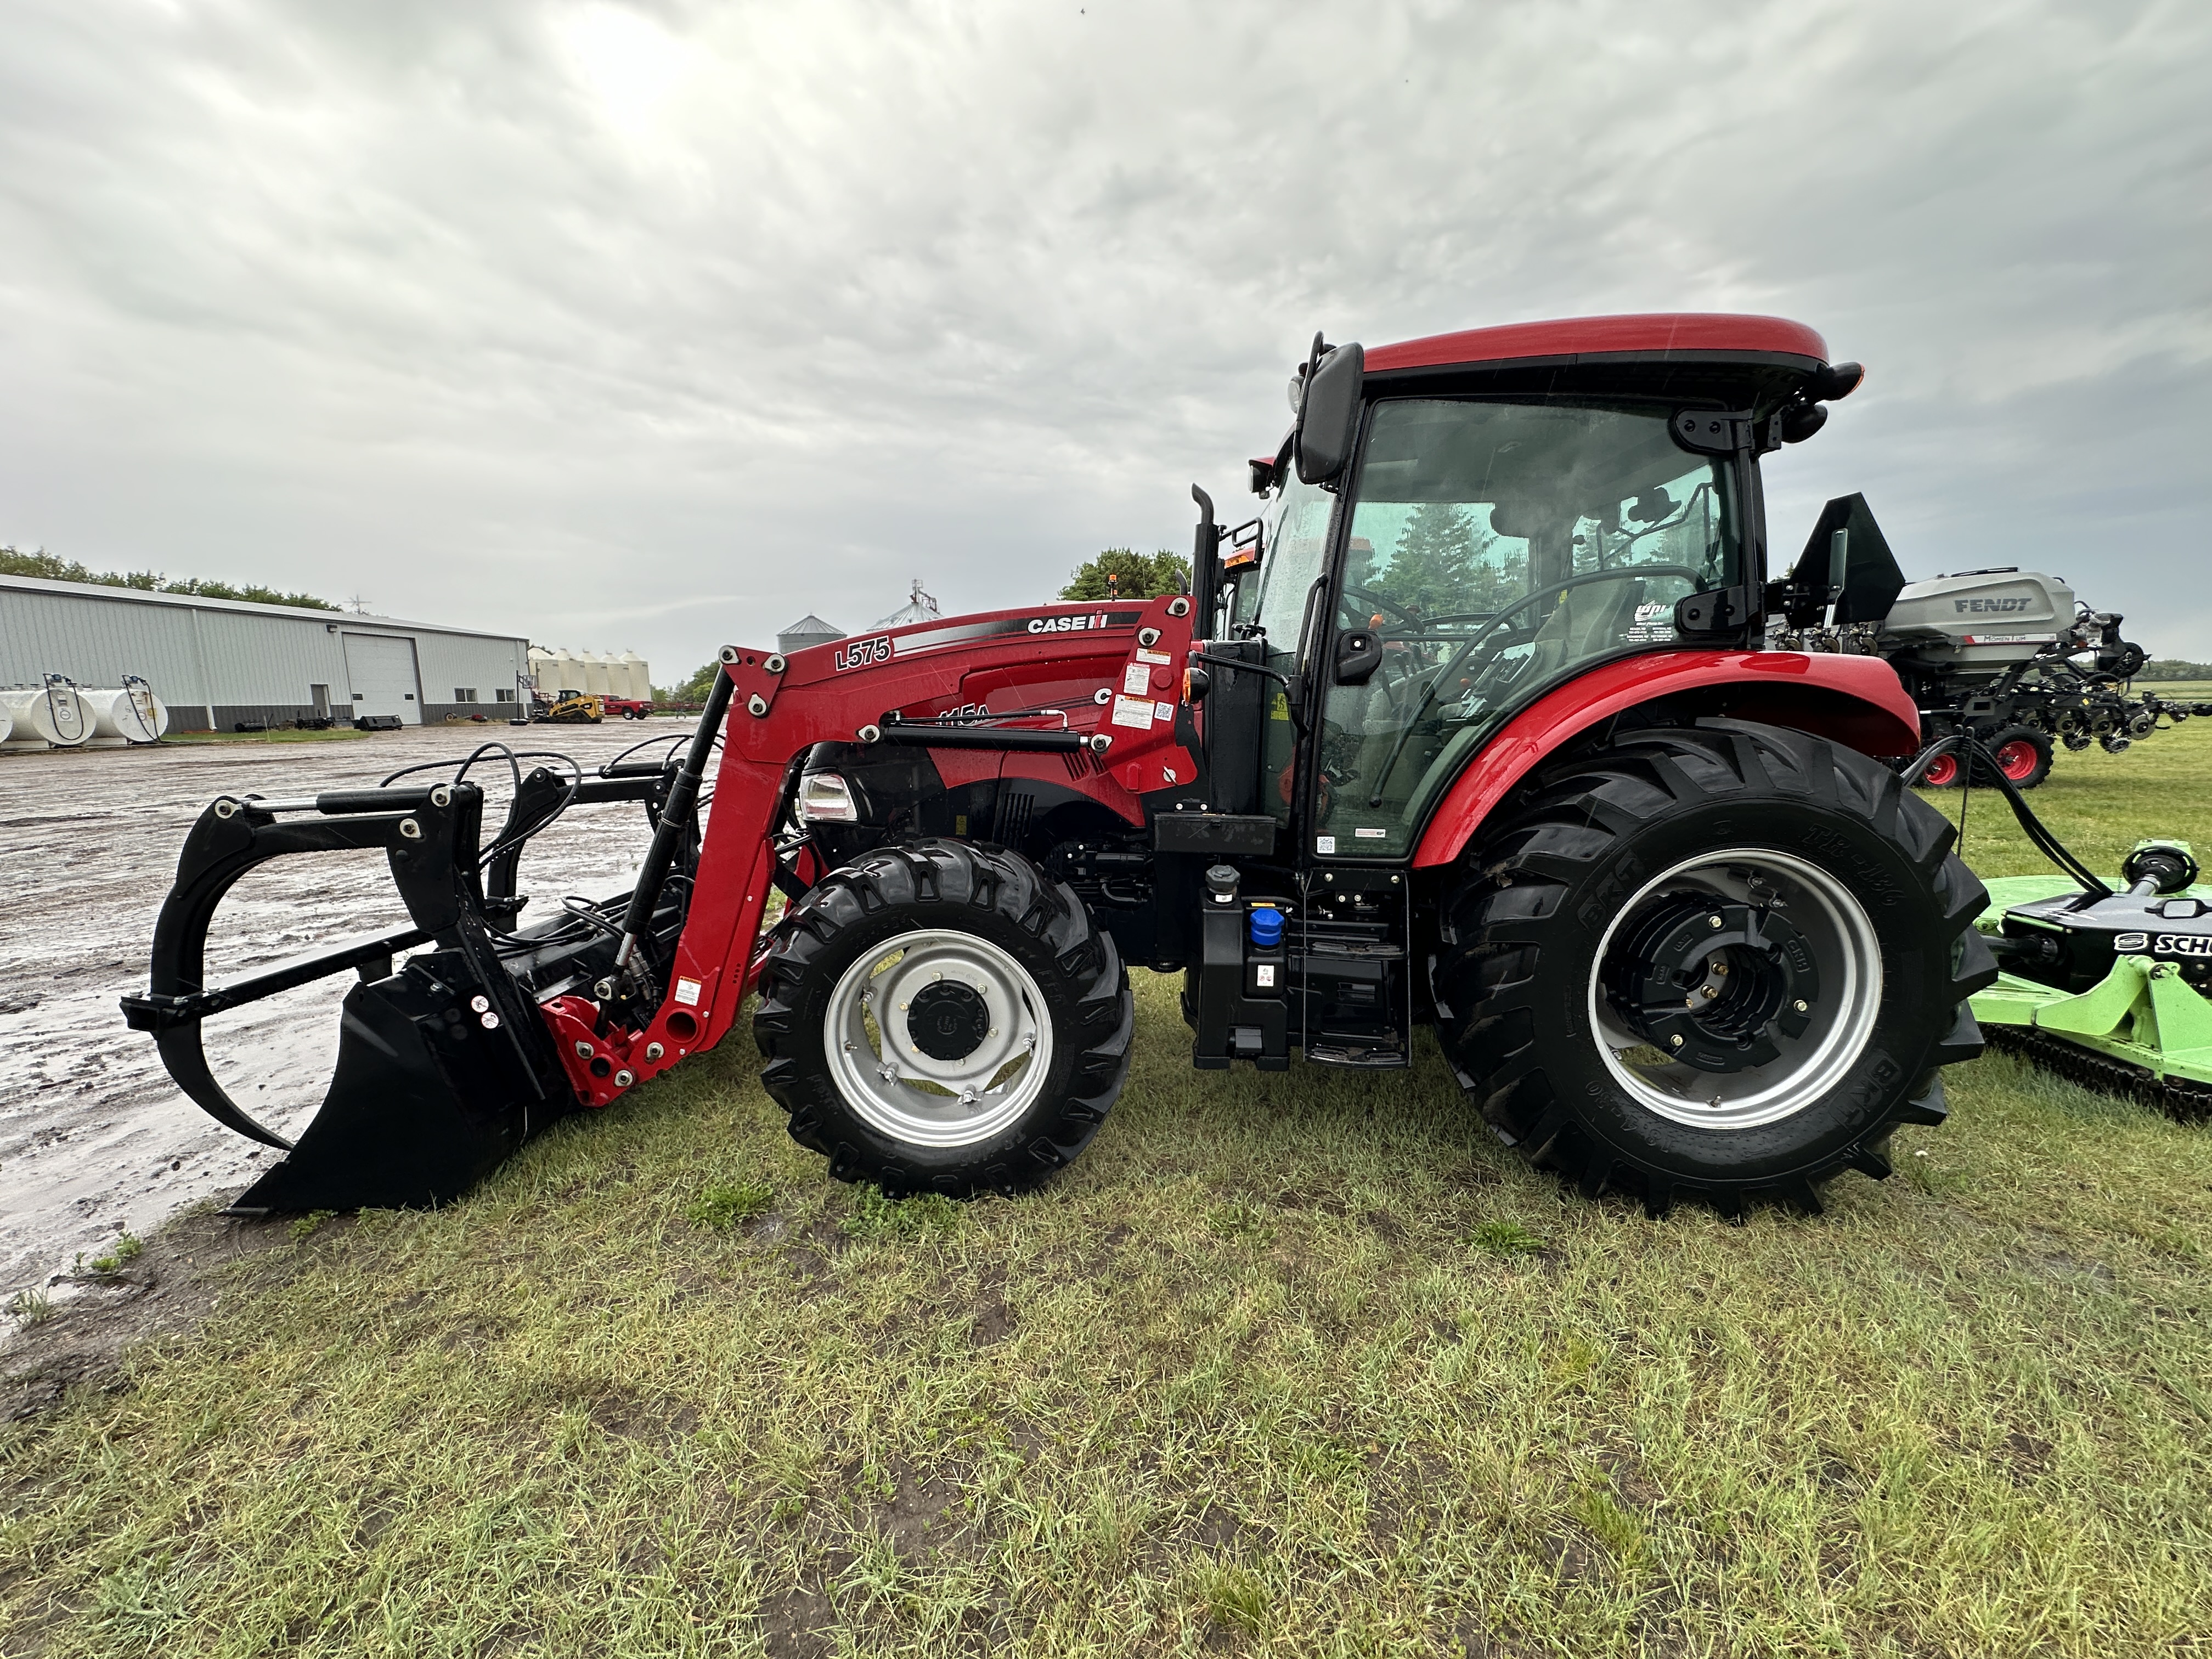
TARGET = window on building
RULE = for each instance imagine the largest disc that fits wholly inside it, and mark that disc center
(464, 694)
(505, 694)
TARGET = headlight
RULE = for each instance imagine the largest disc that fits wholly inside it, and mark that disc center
(824, 797)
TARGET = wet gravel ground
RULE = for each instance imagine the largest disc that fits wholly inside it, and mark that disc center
(94, 1138)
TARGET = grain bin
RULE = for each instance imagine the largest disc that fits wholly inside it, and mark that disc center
(635, 675)
(542, 671)
(129, 712)
(593, 667)
(51, 717)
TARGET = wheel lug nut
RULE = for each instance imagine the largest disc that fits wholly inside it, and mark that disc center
(1713, 920)
(1801, 1005)
(1674, 1042)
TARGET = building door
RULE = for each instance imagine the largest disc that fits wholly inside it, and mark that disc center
(381, 669)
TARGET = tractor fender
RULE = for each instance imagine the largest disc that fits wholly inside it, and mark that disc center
(1857, 702)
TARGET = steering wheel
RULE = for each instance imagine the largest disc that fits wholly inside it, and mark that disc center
(1368, 596)
(1618, 573)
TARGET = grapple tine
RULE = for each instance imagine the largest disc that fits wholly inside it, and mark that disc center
(444, 1068)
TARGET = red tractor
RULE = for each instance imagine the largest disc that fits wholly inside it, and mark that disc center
(1471, 726)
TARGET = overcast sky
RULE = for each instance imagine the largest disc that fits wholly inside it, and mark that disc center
(652, 326)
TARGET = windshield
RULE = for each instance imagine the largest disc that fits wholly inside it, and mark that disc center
(1494, 547)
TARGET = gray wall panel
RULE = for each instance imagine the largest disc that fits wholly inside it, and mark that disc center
(249, 663)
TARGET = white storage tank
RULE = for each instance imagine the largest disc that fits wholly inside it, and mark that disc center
(128, 714)
(635, 675)
(50, 718)
(593, 667)
(565, 676)
(541, 668)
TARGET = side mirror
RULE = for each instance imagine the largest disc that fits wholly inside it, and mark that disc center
(1328, 413)
(1358, 654)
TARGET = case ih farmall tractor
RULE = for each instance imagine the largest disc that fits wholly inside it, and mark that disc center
(1471, 727)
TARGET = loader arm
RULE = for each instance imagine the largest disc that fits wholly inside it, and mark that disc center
(893, 687)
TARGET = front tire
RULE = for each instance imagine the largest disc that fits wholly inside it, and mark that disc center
(1721, 962)
(940, 1017)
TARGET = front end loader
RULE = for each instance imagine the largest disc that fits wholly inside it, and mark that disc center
(1471, 725)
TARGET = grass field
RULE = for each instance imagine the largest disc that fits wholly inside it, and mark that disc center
(1295, 1364)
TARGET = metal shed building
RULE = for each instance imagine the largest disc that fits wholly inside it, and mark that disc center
(216, 662)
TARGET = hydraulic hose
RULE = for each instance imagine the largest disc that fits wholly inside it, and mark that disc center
(676, 815)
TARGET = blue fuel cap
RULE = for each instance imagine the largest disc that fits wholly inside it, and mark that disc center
(1267, 928)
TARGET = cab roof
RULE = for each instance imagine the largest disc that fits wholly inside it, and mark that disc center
(1643, 337)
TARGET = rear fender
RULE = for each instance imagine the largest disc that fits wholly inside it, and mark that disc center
(1857, 702)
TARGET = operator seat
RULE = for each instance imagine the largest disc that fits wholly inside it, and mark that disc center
(1588, 622)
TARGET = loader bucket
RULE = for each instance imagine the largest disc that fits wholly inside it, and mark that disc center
(446, 1065)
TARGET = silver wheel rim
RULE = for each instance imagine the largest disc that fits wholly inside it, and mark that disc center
(914, 1097)
(1848, 958)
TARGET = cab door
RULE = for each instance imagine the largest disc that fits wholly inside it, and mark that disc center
(1287, 620)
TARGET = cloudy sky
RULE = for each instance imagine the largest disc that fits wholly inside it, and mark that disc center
(651, 326)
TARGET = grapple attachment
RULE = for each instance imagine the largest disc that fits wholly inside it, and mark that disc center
(446, 1066)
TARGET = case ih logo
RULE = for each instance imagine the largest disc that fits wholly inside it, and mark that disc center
(1965, 606)
(864, 653)
(1066, 624)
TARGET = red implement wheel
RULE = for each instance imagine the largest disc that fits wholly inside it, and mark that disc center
(2023, 754)
(1943, 772)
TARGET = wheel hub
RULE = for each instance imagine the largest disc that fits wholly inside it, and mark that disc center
(1710, 982)
(1736, 988)
(937, 1037)
(947, 1020)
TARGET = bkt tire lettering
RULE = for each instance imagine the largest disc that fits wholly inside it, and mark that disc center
(864, 653)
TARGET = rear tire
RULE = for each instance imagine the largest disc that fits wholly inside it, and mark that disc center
(1030, 1019)
(1846, 953)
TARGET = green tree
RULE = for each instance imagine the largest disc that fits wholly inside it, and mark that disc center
(49, 567)
(2174, 668)
(1137, 575)
(1444, 564)
(694, 690)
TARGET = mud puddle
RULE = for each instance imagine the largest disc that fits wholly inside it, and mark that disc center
(94, 1138)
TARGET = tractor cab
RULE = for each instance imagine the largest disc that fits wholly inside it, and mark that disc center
(1489, 516)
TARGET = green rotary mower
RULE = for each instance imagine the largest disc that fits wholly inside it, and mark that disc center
(2113, 988)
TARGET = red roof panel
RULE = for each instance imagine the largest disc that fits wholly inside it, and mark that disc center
(1684, 333)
